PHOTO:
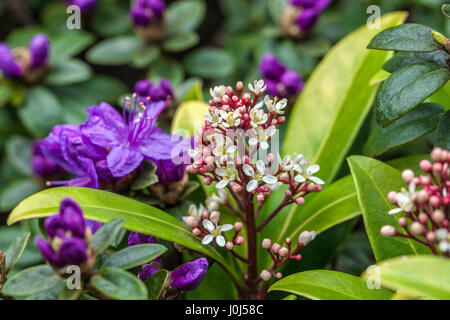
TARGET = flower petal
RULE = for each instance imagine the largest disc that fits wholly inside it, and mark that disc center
(220, 240)
(226, 227)
(209, 225)
(207, 239)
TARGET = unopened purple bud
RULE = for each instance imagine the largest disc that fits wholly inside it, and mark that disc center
(73, 251)
(292, 82)
(47, 252)
(169, 172)
(93, 225)
(307, 18)
(72, 218)
(140, 17)
(39, 50)
(41, 164)
(271, 67)
(189, 275)
(54, 226)
(157, 6)
(142, 87)
(85, 5)
(8, 65)
(157, 93)
(166, 86)
(272, 87)
(140, 238)
(147, 272)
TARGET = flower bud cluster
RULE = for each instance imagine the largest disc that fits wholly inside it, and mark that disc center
(426, 210)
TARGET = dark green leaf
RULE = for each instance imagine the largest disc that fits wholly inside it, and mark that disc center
(443, 132)
(145, 55)
(156, 283)
(118, 284)
(166, 68)
(413, 125)
(15, 191)
(106, 235)
(402, 59)
(114, 51)
(15, 251)
(18, 153)
(406, 88)
(185, 15)
(31, 281)
(69, 294)
(406, 37)
(68, 45)
(134, 256)
(181, 41)
(68, 72)
(146, 177)
(446, 10)
(209, 63)
(112, 10)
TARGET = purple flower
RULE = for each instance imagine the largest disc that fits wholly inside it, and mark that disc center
(140, 17)
(93, 225)
(139, 238)
(292, 82)
(39, 50)
(147, 272)
(271, 67)
(144, 11)
(307, 18)
(9, 66)
(42, 165)
(189, 275)
(142, 87)
(163, 91)
(319, 5)
(130, 139)
(67, 231)
(272, 87)
(169, 172)
(85, 5)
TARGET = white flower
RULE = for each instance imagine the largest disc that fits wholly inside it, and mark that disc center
(195, 212)
(308, 174)
(262, 136)
(258, 87)
(405, 200)
(444, 237)
(227, 174)
(275, 105)
(258, 176)
(286, 163)
(214, 118)
(230, 119)
(214, 201)
(224, 147)
(215, 232)
(217, 92)
(258, 116)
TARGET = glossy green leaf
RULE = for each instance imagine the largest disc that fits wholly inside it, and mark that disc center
(114, 51)
(185, 15)
(443, 132)
(402, 59)
(106, 235)
(15, 191)
(68, 72)
(413, 125)
(336, 100)
(145, 56)
(15, 250)
(373, 181)
(68, 45)
(181, 41)
(118, 284)
(421, 277)
(156, 283)
(18, 153)
(111, 10)
(406, 37)
(105, 206)
(134, 256)
(31, 281)
(329, 285)
(209, 62)
(40, 112)
(189, 117)
(446, 10)
(166, 68)
(146, 177)
(191, 89)
(406, 88)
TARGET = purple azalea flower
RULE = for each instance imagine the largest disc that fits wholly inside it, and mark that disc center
(8, 65)
(145, 88)
(140, 17)
(272, 87)
(307, 18)
(93, 225)
(130, 139)
(169, 172)
(142, 87)
(292, 82)
(42, 165)
(39, 50)
(144, 11)
(271, 67)
(303, 3)
(69, 226)
(147, 272)
(139, 238)
(189, 275)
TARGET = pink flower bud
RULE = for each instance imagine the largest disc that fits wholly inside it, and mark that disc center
(260, 197)
(434, 201)
(197, 232)
(265, 275)
(236, 187)
(437, 155)
(305, 237)
(422, 197)
(278, 275)
(438, 216)
(425, 165)
(281, 119)
(402, 222)
(266, 243)
(300, 201)
(388, 231)
(270, 157)
(246, 98)
(205, 214)
(431, 237)
(283, 177)
(417, 227)
(239, 240)
(392, 197)
(238, 226)
(229, 91)
(288, 193)
(229, 245)
(288, 241)
(437, 167)
(276, 248)
(207, 181)
(284, 252)
(215, 217)
(191, 221)
(423, 218)
(407, 175)
(239, 86)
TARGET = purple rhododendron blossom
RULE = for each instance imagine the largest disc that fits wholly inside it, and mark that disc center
(136, 238)
(310, 12)
(147, 272)
(39, 50)
(145, 11)
(189, 275)
(163, 91)
(9, 66)
(42, 165)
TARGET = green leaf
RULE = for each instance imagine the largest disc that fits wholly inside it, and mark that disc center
(374, 180)
(15, 191)
(406, 37)
(403, 59)
(189, 117)
(146, 177)
(5, 94)
(15, 250)
(118, 284)
(134, 256)
(329, 285)
(443, 132)
(185, 15)
(105, 206)
(106, 235)
(442, 97)
(31, 281)
(340, 85)
(68, 72)
(114, 51)
(422, 276)
(181, 41)
(18, 153)
(166, 68)
(191, 89)
(413, 125)
(209, 62)
(276, 8)
(40, 112)
(156, 283)
(68, 45)
(406, 88)
(112, 10)
(446, 10)
(145, 55)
